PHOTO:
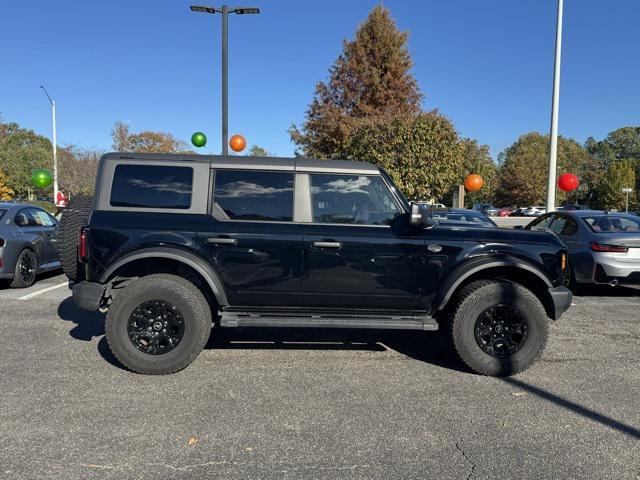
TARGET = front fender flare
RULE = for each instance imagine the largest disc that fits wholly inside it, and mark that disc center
(199, 265)
(462, 272)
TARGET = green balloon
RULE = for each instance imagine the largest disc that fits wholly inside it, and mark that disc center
(41, 178)
(199, 139)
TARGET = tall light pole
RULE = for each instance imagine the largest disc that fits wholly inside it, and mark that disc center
(553, 147)
(55, 148)
(225, 11)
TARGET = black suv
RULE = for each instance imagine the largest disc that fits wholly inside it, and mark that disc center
(173, 244)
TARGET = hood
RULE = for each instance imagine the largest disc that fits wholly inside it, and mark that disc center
(502, 235)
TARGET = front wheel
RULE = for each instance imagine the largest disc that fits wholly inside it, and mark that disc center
(499, 328)
(158, 324)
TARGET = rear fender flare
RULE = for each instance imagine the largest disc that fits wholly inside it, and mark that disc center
(199, 265)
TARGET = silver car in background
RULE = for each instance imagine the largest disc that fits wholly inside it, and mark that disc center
(604, 247)
(27, 243)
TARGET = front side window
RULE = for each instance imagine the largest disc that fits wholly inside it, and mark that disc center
(352, 199)
(41, 217)
(564, 225)
(152, 186)
(541, 223)
(248, 195)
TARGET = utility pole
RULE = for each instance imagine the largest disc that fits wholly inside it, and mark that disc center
(553, 147)
(225, 80)
(225, 11)
(55, 147)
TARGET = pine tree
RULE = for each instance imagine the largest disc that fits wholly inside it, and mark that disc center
(370, 80)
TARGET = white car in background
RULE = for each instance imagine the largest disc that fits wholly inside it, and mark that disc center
(535, 211)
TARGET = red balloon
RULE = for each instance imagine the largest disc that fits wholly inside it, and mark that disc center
(568, 182)
(473, 182)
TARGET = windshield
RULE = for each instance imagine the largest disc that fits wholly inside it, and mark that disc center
(613, 224)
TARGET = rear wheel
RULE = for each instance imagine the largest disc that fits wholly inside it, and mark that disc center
(499, 328)
(25, 273)
(158, 324)
(74, 216)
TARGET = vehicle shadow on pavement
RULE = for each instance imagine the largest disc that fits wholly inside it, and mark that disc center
(433, 347)
(89, 325)
(575, 407)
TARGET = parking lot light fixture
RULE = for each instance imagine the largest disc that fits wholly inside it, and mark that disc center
(225, 11)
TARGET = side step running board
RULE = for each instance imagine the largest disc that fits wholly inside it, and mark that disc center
(288, 319)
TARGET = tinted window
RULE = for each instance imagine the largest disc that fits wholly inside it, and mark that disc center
(25, 218)
(41, 217)
(151, 186)
(564, 225)
(246, 195)
(353, 199)
(540, 223)
(613, 224)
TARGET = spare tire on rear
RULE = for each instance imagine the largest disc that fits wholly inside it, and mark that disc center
(74, 216)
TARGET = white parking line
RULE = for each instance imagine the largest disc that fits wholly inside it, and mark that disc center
(48, 289)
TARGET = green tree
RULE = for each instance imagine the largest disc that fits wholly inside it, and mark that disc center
(522, 177)
(6, 192)
(258, 151)
(478, 160)
(621, 144)
(21, 152)
(369, 81)
(144, 142)
(621, 174)
(422, 153)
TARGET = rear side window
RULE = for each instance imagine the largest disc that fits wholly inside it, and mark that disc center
(152, 186)
(247, 195)
(612, 224)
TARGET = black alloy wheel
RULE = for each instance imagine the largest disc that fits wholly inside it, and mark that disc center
(155, 327)
(501, 331)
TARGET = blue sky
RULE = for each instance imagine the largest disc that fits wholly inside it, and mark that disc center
(487, 65)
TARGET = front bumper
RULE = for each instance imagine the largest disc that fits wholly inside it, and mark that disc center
(561, 297)
(88, 295)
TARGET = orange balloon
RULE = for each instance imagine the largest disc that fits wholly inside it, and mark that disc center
(237, 143)
(473, 182)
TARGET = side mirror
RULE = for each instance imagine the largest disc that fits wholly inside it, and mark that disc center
(418, 220)
(416, 214)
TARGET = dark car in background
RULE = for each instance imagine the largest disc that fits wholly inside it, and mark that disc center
(458, 216)
(27, 243)
(604, 247)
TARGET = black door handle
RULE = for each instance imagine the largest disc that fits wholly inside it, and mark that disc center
(222, 241)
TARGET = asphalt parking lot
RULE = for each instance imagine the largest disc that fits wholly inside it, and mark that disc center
(262, 403)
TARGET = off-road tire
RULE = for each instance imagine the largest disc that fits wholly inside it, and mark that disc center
(74, 216)
(175, 290)
(18, 281)
(474, 299)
